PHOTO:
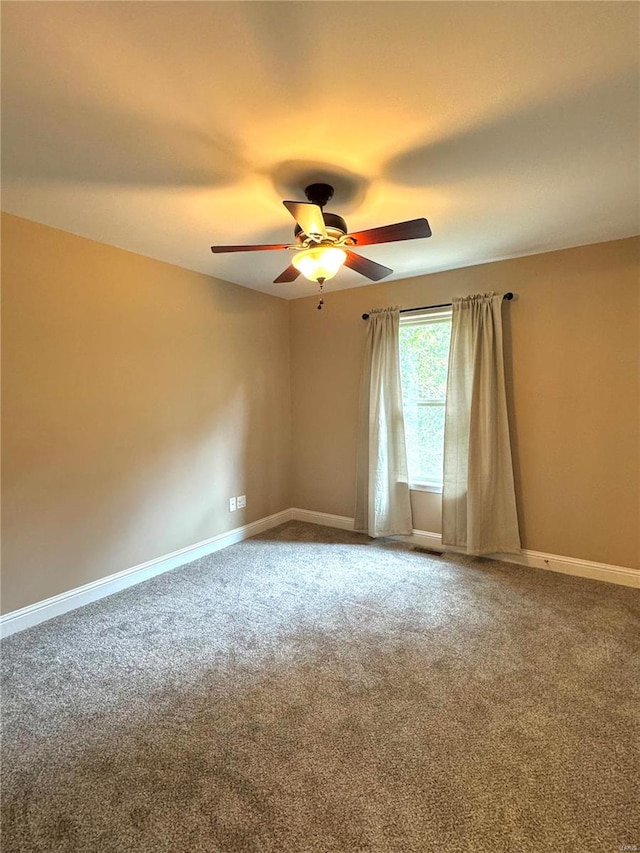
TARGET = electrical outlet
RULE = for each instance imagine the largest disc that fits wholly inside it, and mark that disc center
(242, 501)
(232, 505)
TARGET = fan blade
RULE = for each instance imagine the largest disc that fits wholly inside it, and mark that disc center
(217, 250)
(410, 230)
(367, 268)
(290, 274)
(308, 216)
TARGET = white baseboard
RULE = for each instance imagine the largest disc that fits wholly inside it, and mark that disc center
(535, 559)
(33, 614)
(18, 620)
(582, 568)
(325, 518)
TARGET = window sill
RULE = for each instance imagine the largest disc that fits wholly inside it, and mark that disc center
(426, 487)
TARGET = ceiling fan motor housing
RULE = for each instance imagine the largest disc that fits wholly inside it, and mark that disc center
(335, 225)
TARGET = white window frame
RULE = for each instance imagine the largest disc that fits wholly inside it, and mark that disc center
(425, 317)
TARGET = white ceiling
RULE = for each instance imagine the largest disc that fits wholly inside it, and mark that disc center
(164, 127)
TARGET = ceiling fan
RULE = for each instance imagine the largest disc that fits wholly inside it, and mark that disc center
(323, 244)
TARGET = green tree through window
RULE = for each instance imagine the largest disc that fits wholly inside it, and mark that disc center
(424, 357)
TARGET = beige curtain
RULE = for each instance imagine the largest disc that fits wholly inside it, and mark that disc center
(382, 480)
(478, 498)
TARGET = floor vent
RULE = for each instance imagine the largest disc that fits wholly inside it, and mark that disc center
(429, 551)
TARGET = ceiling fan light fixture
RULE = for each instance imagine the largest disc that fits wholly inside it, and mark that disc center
(319, 262)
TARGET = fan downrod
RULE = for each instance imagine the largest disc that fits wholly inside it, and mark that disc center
(319, 194)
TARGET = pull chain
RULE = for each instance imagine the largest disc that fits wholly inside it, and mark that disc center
(321, 302)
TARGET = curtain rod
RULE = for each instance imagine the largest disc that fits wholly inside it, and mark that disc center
(506, 296)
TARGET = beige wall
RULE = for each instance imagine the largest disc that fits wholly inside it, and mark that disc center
(137, 398)
(572, 358)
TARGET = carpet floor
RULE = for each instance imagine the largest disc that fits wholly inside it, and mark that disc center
(310, 691)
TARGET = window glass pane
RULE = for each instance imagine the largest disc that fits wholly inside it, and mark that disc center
(424, 356)
(424, 430)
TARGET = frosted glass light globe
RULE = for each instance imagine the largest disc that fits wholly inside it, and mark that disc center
(319, 262)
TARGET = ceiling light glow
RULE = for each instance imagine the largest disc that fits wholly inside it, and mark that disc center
(320, 262)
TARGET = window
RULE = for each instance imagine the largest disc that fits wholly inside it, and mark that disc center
(424, 356)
